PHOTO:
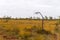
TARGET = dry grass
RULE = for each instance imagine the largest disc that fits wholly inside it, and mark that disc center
(28, 30)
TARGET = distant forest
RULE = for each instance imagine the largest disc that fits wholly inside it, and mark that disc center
(45, 18)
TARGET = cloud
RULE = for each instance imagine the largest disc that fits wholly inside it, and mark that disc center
(27, 7)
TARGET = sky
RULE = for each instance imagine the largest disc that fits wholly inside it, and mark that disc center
(27, 8)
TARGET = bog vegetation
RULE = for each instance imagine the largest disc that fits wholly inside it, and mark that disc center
(29, 29)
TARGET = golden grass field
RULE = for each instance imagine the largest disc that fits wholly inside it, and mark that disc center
(25, 29)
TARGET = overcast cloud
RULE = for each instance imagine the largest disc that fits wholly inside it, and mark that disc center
(26, 8)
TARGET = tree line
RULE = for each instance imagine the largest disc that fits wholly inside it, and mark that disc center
(45, 17)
